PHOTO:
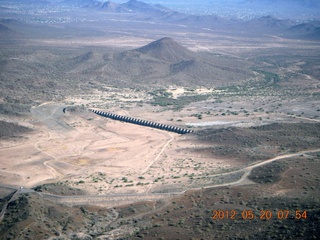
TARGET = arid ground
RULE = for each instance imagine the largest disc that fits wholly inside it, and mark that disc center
(249, 169)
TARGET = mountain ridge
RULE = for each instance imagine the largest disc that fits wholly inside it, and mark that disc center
(262, 25)
(167, 62)
(166, 49)
(257, 26)
(132, 6)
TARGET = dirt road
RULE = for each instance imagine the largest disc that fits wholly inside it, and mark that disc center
(120, 199)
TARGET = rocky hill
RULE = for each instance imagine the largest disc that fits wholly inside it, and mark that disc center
(166, 49)
(56, 73)
(166, 62)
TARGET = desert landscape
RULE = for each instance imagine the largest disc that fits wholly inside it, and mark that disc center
(246, 92)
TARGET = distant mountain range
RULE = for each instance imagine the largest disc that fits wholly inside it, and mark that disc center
(283, 28)
(262, 25)
(131, 6)
(309, 30)
(296, 3)
(307, 9)
(239, 3)
(148, 12)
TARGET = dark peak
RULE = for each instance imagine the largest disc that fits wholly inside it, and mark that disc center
(110, 4)
(166, 49)
(4, 29)
(268, 18)
(135, 3)
(106, 6)
(138, 6)
(7, 32)
(127, 7)
(80, 2)
(160, 45)
(308, 30)
(270, 23)
(166, 40)
(159, 6)
(84, 57)
(271, 19)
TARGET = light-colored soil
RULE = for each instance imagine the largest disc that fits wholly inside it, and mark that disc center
(99, 145)
(100, 156)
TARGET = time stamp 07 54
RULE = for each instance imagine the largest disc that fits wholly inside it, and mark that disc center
(261, 214)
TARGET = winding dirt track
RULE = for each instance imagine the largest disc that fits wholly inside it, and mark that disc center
(159, 154)
(4, 207)
(52, 121)
(52, 115)
(247, 170)
(153, 196)
(120, 199)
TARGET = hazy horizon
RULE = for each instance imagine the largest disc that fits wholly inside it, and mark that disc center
(296, 9)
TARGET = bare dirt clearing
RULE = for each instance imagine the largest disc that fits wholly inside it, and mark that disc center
(98, 146)
(103, 156)
(256, 135)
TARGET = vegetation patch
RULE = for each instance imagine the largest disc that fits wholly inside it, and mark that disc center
(268, 173)
(179, 102)
(59, 188)
(260, 143)
(10, 130)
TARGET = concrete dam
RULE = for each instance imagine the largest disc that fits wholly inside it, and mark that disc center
(142, 122)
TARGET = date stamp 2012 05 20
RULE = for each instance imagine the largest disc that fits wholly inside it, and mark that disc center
(262, 214)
